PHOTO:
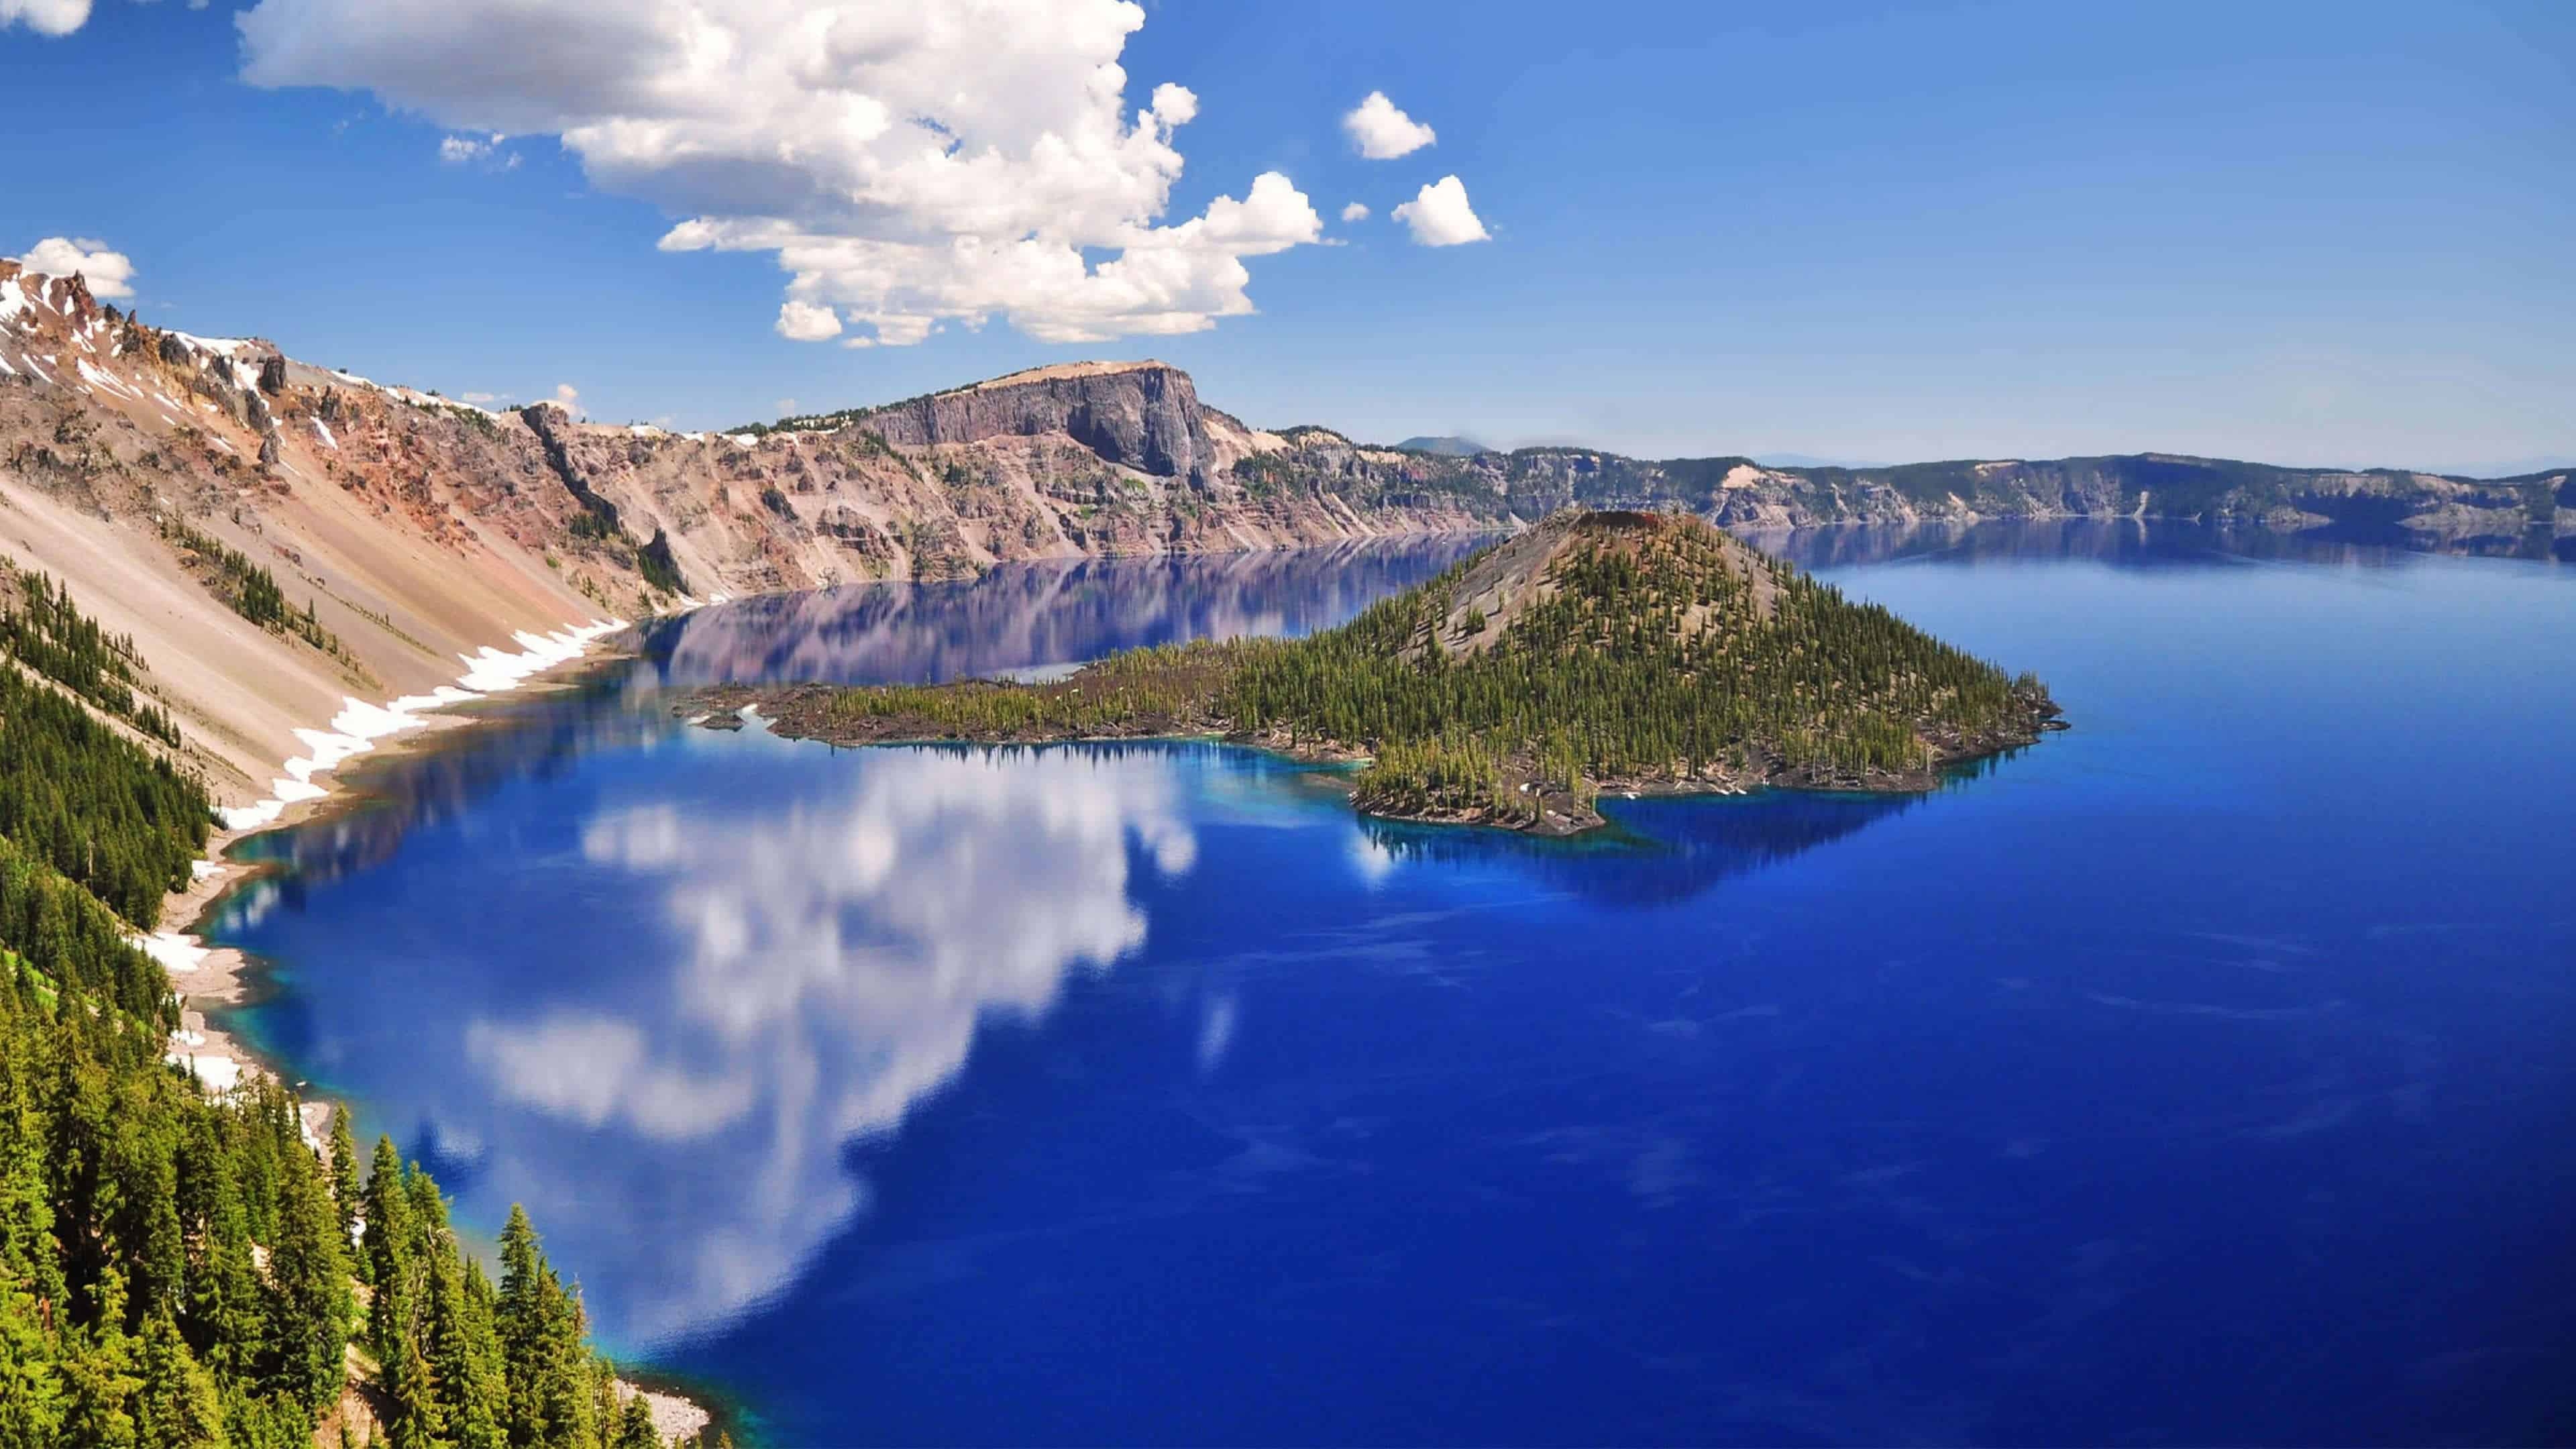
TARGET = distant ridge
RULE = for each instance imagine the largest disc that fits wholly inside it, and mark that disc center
(1447, 447)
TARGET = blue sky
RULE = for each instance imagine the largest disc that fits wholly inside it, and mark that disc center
(2302, 233)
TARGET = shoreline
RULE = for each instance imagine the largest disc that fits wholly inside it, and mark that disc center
(203, 977)
(213, 974)
(788, 712)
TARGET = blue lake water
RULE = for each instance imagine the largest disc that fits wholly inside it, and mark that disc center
(2200, 1074)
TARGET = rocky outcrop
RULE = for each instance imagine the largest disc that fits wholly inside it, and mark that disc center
(1141, 415)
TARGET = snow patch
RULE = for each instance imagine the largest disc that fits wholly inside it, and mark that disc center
(358, 725)
(13, 302)
(98, 377)
(324, 429)
(177, 954)
(220, 1074)
(222, 346)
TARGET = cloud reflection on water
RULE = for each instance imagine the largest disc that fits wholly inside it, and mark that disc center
(831, 962)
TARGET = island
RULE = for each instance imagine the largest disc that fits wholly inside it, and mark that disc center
(1595, 652)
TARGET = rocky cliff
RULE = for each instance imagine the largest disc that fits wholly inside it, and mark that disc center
(174, 481)
(165, 477)
(1143, 415)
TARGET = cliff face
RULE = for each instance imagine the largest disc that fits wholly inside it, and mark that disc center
(153, 472)
(1144, 416)
(150, 469)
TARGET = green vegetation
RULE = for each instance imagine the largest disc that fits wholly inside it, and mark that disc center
(249, 589)
(1639, 650)
(1168, 689)
(176, 1267)
(42, 631)
(653, 560)
(91, 805)
(1657, 646)
(472, 417)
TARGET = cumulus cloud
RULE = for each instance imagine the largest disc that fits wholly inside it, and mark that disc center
(45, 17)
(109, 274)
(909, 166)
(459, 150)
(1440, 216)
(480, 398)
(1356, 211)
(1381, 132)
(807, 322)
(568, 398)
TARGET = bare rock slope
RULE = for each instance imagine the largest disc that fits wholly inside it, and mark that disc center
(279, 538)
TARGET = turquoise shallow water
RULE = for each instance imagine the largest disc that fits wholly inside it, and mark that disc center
(2200, 1074)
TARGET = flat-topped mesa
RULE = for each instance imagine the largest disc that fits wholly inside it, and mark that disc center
(1140, 415)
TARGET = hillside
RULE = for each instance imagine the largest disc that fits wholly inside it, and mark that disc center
(290, 542)
(183, 1267)
(1595, 651)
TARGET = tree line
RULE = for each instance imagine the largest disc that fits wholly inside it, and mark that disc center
(178, 1266)
(43, 631)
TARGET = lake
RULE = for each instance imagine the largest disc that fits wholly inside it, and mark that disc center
(2199, 1074)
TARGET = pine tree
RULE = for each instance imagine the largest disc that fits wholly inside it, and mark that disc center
(345, 1193)
(176, 1406)
(635, 1427)
(309, 1306)
(31, 1387)
(98, 1376)
(388, 1249)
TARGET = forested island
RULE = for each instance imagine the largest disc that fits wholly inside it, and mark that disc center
(182, 1267)
(1601, 651)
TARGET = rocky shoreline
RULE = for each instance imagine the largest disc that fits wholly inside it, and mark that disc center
(805, 712)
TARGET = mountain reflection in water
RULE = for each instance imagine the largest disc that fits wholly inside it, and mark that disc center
(1048, 612)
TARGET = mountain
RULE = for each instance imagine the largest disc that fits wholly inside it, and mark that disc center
(1447, 447)
(1595, 651)
(279, 539)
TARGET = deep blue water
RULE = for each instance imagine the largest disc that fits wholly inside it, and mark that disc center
(2200, 1074)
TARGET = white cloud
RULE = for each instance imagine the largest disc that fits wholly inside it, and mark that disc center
(45, 17)
(109, 274)
(461, 150)
(568, 398)
(1381, 132)
(480, 398)
(1440, 216)
(807, 321)
(1356, 211)
(908, 165)
(787, 407)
